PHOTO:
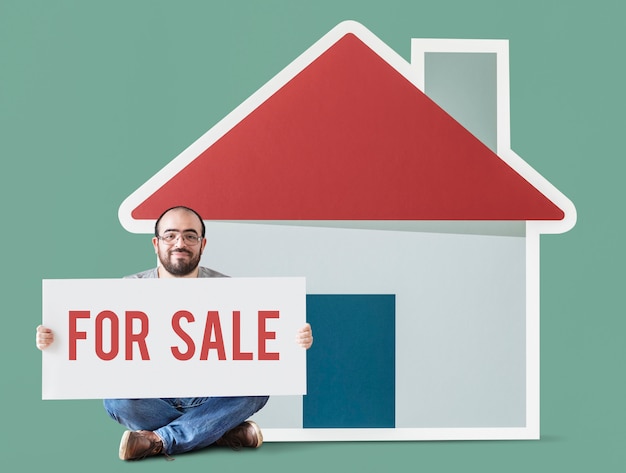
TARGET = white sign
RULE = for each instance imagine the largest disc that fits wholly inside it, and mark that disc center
(138, 338)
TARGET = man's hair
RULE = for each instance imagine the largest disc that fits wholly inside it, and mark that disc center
(179, 207)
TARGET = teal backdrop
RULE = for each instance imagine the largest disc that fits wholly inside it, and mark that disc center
(97, 96)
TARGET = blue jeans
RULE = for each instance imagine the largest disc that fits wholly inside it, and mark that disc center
(187, 423)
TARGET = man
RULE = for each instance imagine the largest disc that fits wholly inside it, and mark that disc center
(171, 426)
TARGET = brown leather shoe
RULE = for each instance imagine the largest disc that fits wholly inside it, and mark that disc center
(139, 444)
(246, 434)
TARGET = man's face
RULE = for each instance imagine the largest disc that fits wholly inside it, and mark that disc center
(179, 257)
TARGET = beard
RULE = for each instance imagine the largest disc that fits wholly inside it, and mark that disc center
(179, 267)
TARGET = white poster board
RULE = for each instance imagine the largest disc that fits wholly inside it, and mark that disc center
(138, 338)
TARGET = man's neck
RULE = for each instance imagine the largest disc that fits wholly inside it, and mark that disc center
(163, 273)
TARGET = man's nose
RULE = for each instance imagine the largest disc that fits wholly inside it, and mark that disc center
(179, 242)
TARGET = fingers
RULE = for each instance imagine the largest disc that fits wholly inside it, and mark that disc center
(304, 337)
(44, 337)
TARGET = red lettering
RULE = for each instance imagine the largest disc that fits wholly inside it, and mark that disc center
(138, 338)
(191, 347)
(74, 334)
(213, 324)
(237, 354)
(115, 332)
(265, 335)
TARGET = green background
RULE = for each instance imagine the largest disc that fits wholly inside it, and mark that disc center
(95, 97)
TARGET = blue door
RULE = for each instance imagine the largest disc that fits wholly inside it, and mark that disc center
(351, 366)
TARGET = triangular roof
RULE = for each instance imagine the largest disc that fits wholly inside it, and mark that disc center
(343, 133)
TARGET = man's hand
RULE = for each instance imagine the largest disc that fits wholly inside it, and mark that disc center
(44, 337)
(304, 337)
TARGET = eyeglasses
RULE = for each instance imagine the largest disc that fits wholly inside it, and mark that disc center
(189, 238)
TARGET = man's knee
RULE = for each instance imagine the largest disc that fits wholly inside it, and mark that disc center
(262, 400)
(121, 410)
(111, 406)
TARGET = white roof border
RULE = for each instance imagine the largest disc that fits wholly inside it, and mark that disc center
(414, 72)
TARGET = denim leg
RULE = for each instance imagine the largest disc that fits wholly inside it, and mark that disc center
(201, 424)
(185, 424)
(142, 414)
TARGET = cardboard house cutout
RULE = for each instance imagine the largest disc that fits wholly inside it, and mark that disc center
(419, 242)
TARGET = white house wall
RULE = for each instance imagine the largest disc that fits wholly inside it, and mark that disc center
(460, 311)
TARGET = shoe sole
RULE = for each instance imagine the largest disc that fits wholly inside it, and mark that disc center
(123, 445)
(259, 434)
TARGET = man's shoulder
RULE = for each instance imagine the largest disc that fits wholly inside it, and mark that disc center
(203, 272)
(147, 274)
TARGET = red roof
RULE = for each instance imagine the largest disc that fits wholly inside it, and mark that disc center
(350, 138)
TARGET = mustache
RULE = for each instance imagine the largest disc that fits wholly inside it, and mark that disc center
(180, 250)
